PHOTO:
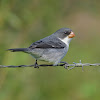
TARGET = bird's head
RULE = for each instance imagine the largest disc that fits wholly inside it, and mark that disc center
(64, 34)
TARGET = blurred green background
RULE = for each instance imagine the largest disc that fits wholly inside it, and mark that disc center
(23, 22)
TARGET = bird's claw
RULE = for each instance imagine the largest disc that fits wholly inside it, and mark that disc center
(66, 66)
(36, 65)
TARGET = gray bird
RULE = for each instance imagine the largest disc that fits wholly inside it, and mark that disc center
(51, 48)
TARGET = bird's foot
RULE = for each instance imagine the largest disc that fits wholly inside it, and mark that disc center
(65, 64)
(36, 65)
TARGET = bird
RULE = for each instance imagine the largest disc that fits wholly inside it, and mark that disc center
(51, 48)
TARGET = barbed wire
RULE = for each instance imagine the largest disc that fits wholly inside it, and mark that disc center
(66, 65)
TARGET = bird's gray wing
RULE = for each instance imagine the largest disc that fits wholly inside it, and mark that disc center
(48, 42)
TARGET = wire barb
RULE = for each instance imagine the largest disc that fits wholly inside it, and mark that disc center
(66, 65)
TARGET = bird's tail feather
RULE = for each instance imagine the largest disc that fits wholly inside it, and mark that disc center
(18, 50)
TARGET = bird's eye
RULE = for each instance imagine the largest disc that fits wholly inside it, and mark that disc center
(67, 33)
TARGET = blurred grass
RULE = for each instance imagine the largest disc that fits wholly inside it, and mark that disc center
(23, 22)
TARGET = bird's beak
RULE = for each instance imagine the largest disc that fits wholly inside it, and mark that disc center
(71, 35)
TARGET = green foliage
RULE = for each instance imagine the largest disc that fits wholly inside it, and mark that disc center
(23, 22)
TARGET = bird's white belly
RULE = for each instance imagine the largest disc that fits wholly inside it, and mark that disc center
(50, 55)
(53, 55)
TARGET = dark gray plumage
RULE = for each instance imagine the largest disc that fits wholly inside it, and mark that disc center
(50, 48)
